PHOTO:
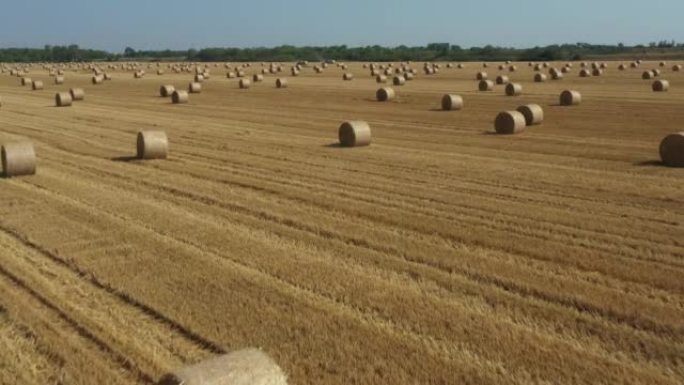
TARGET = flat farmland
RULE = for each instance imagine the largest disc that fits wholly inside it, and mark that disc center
(440, 254)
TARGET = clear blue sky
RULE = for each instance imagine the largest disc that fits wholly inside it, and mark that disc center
(156, 24)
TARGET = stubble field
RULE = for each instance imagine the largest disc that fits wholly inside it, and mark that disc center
(440, 254)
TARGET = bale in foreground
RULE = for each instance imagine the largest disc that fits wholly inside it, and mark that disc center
(18, 159)
(178, 97)
(570, 98)
(671, 150)
(63, 99)
(354, 134)
(510, 122)
(152, 145)
(244, 367)
(166, 91)
(384, 94)
(452, 102)
(77, 94)
(533, 114)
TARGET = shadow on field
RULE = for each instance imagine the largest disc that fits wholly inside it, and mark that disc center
(334, 145)
(650, 163)
(128, 158)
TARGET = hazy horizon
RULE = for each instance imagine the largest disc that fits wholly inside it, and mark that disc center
(175, 25)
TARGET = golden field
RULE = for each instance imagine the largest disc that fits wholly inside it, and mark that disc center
(440, 254)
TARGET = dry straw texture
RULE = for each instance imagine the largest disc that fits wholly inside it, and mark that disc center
(63, 99)
(18, 159)
(672, 150)
(244, 367)
(451, 102)
(502, 79)
(509, 122)
(245, 84)
(179, 97)
(385, 94)
(194, 87)
(486, 85)
(59, 79)
(354, 134)
(570, 98)
(533, 114)
(152, 145)
(399, 81)
(348, 76)
(77, 94)
(37, 85)
(661, 85)
(513, 89)
(166, 91)
(381, 79)
(540, 78)
(481, 76)
(281, 83)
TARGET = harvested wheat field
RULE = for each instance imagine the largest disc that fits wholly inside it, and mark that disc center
(442, 253)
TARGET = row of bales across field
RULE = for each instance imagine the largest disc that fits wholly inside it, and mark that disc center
(19, 158)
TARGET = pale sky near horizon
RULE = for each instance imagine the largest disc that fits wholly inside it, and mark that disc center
(175, 24)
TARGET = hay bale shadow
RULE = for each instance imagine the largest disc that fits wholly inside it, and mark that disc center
(125, 159)
(650, 163)
(334, 145)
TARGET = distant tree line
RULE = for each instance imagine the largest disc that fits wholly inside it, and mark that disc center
(430, 52)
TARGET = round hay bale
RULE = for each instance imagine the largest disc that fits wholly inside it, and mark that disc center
(663, 64)
(230, 75)
(539, 77)
(37, 85)
(244, 367)
(240, 74)
(481, 76)
(510, 122)
(485, 65)
(354, 134)
(597, 72)
(570, 98)
(199, 78)
(512, 68)
(97, 79)
(18, 159)
(502, 79)
(556, 75)
(513, 89)
(258, 78)
(194, 87)
(661, 86)
(656, 72)
(533, 114)
(566, 70)
(166, 91)
(486, 85)
(672, 150)
(584, 73)
(381, 79)
(677, 68)
(408, 76)
(63, 99)
(634, 65)
(107, 76)
(622, 67)
(281, 83)
(26, 81)
(348, 76)
(179, 97)
(385, 94)
(452, 102)
(294, 71)
(461, 66)
(399, 81)
(647, 75)
(160, 72)
(152, 145)
(245, 84)
(502, 67)
(77, 94)
(59, 79)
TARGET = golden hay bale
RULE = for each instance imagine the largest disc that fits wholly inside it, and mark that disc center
(539, 77)
(59, 79)
(603, 66)
(244, 367)
(245, 84)
(281, 83)
(597, 72)
(513, 89)
(533, 114)
(622, 67)
(502, 79)
(294, 71)
(230, 75)
(647, 75)
(502, 67)
(538, 67)
(18, 159)
(512, 68)
(672, 150)
(556, 74)
(37, 85)
(661, 86)
(460, 66)
(152, 145)
(166, 91)
(452, 102)
(663, 64)
(570, 98)
(348, 76)
(240, 74)
(354, 134)
(656, 72)
(258, 78)
(63, 99)
(677, 67)
(509, 122)
(179, 97)
(160, 72)
(585, 73)
(385, 94)
(107, 76)
(199, 78)
(481, 76)
(634, 65)
(566, 70)
(77, 94)
(97, 79)
(486, 85)
(194, 87)
(381, 79)
(26, 81)
(399, 81)
(485, 65)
